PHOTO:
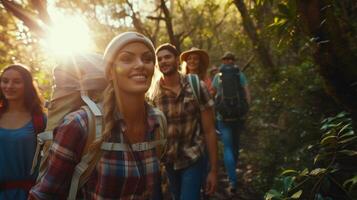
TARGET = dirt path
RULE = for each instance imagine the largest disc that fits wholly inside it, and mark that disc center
(244, 192)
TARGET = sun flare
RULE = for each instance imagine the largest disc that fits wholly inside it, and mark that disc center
(69, 35)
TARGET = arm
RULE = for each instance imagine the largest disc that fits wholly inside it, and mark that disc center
(207, 120)
(247, 94)
(244, 83)
(215, 85)
(65, 152)
(208, 125)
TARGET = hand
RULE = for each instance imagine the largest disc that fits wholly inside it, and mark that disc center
(211, 183)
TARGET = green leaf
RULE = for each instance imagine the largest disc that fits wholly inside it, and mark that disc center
(288, 182)
(321, 156)
(319, 197)
(272, 194)
(317, 171)
(350, 182)
(305, 172)
(329, 140)
(342, 114)
(347, 134)
(296, 195)
(289, 172)
(348, 140)
(345, 127)
(348, 152)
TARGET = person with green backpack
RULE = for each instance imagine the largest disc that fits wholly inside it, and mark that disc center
(190, 127)
(231, 105)
(123, 161)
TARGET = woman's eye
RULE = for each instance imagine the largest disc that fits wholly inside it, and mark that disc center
(148, 58)
(17, 81)
(126, 58)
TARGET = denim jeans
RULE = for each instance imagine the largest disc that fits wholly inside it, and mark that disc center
(230, 135)
(185, 184)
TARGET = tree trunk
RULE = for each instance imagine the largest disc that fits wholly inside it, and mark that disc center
(333, 53)
(258, 44)
(170, 30)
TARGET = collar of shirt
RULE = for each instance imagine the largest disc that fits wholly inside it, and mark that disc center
(165, 90)
(152, 119)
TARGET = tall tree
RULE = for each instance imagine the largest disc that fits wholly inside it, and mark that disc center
(331, 25)
(169, 27)
(259, 45)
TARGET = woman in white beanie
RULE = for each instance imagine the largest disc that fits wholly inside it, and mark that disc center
(132, 171)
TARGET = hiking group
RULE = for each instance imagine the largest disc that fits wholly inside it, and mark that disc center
(112, 133)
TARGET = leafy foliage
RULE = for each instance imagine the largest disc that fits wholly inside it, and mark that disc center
(333, 175)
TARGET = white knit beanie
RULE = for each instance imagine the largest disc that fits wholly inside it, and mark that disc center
(119, 42)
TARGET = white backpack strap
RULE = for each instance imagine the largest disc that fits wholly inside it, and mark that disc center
(93, 127)
(141, 146)
(80, 168)
(41, 138)
(92, 106)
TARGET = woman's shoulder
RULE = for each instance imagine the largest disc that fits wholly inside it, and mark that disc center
(79, 117)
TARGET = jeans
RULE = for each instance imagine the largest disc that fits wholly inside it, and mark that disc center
(157, 192)
(230, 135)
(185, 184)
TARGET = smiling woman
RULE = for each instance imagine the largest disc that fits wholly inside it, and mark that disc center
(133, 132)
(69, 35)
(21, 118)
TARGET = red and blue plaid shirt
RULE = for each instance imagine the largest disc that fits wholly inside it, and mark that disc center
(117, 175)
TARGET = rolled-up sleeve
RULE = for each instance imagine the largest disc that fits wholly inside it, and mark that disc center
(206, 98)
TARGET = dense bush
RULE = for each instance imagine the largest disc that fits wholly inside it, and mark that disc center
(333, 174)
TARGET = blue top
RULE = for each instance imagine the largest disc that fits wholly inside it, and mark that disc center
(17, 148)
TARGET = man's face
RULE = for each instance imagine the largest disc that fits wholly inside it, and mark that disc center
(227, 61)
(167, 62)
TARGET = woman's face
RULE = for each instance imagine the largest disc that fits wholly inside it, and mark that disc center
(193, 62)
(12, 85)
(133, 67)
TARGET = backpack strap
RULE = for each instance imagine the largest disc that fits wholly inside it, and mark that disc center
(87, 164)
(194, 82)
(41, 139)
(38, 121)
(39, 125)
(84, 168)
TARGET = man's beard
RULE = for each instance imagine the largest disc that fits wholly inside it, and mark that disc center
(172, 70)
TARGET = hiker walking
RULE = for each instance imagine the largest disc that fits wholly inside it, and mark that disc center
(231, 103)
(190, 128)
(126, 164)
(196, 61)
(21, 117)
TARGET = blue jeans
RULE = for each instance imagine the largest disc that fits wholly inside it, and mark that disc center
(230, 135)
(185, 184)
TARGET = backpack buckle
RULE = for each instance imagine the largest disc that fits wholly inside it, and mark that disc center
(143, 146)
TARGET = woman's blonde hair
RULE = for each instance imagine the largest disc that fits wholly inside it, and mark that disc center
(108, 115)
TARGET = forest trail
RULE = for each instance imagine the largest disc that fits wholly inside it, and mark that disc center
(244, 192)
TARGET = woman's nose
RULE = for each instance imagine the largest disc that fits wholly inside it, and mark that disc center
(139, 63)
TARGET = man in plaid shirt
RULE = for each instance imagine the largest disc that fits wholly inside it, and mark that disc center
(190, 129)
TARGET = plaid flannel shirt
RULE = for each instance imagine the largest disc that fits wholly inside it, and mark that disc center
(118, 175)
(185, 138)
